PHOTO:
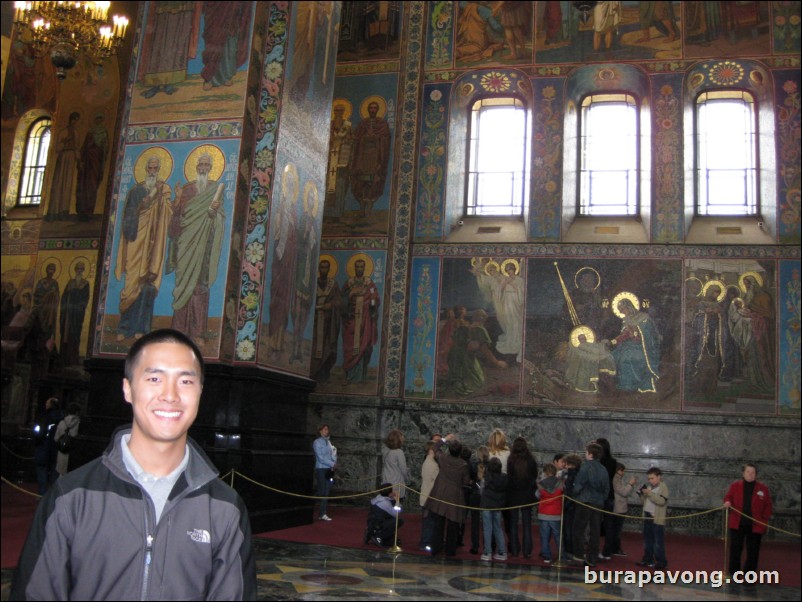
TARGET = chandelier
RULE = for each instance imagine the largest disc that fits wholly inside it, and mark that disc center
(67, 29)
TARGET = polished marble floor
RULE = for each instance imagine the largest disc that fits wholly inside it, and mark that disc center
(296, 571)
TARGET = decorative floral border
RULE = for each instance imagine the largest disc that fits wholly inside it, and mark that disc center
(420, 361)
(367, 68)
(269, 109)
(69, 244)
(789, 173)
(404, 203)
(344, 244)
(547, 159)
(786, 27)
(182, 131)
(438, 34)
(791, 329)
(432, 162)
(602, 251)
(667, 160)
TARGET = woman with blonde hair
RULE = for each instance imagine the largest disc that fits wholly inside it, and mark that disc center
(394, 462)
(497, 444)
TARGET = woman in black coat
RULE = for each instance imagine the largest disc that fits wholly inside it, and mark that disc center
(521, 485)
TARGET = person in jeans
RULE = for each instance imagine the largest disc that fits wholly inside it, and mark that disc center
(591, 487)
(494, 495)
(655, 504)
(549, 511)
(325, 463)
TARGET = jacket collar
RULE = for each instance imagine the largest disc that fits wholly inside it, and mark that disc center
(199, 471)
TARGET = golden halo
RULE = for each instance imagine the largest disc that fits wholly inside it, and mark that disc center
(721, 287)
(46, 262)
(165, 166)
(475, 261)
(334, 267)
(348, 108)
(699, 283)
(289, 177)
(488, 264)
(349, 267)
(580, 270)
(311, 204)
(621, 297)
(586, 330)
(466, 89)
(379, 100)
(755, 275)
(76, 261)
(218, 162)
(507, 262)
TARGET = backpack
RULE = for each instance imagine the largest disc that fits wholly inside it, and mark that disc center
(65, 442)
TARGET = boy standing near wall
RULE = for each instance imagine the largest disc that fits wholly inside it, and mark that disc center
(655, 504)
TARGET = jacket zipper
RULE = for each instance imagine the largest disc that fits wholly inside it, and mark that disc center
(149, 538)
(148, 555)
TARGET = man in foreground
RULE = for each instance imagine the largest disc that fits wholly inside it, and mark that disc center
(149, 519)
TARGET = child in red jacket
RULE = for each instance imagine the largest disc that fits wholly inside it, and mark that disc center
(549, 511)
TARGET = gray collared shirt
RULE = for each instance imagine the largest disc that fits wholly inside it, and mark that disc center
(158, 488)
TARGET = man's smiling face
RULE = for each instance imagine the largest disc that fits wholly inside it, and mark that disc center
(164, 392)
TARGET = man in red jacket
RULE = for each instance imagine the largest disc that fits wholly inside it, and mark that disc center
(752, 500)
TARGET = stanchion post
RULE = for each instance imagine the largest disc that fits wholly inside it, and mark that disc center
(726, 538)
(559, 562)
(396, 549)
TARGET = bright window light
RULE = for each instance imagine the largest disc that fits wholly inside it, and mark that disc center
(726, 153)
(497, 157)
(33, 169)
(609, 155)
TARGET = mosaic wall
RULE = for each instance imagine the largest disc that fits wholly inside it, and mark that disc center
(442, 279)
(178, 175)
(669, 329)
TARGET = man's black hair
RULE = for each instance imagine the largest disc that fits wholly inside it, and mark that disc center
(163, 335)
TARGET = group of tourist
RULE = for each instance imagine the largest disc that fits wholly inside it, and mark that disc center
(496, 487)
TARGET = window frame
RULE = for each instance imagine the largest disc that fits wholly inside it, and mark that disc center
(751, 206)
(472, 207)
(33, 169)
(584, 204)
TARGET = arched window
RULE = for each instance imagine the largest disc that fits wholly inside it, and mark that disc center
(607, 191)
(726, 153)
(32, 176)
(496, 174)
(609, 155)
(731, 180)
